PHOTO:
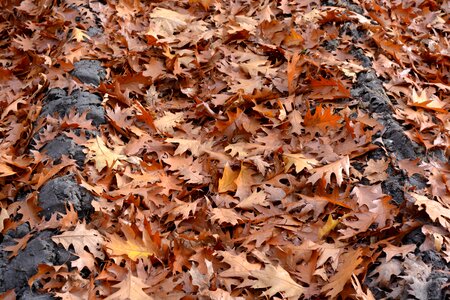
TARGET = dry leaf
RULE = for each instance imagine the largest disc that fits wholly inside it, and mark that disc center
(277, 280)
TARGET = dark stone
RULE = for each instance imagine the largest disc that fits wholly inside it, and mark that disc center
(370, 90)
(432, 258)
(39, 250)
(359, 55)
(393, 186)
(57, 193)
(93, 31)
(414, 237)
(418, 181)
(331, 45)
(89, 71)
(57, 101)
(63, 145)
(19, 232)
(29, 295)
(344, 3)
(437, 289)
(352, 30)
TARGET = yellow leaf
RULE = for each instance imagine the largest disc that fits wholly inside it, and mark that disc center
(134, 249)
(79, 35)
(102, 155)
(426, 102)
(328, 227)
(226, 183)
(299, 160)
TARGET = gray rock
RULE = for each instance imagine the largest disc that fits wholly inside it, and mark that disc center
(57, 101)
(57, 193)
(89, 71)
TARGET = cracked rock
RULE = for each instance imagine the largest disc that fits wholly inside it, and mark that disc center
(57, 193)
(89, 72)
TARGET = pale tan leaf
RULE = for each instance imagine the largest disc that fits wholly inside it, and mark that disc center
(239, 266)
(103, 156)
(350, 261)
(194, 146)
(435, 210)
(277, 280)
(166, 123)
(81, 237)
(225, 215)
(335, 168)
(131, 288)
(299, 161)
(256, 198)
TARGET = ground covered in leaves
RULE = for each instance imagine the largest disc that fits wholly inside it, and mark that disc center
(224, 149)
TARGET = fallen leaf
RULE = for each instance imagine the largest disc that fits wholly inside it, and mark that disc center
(335, 168)
(131, 288)
(277, 280)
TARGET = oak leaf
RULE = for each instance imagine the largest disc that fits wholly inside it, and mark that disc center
(133, 248)
(328, 89)
(277, 280)
(164, 22)
(239, 266)
(299, 161)
(256, 198)
(81, 237)
(392, 250)
(131, 288)
(21, 244)
(194, 146)
(105, 157)
(166, 123)
(132, 245)
(335, 168)
(423, 101)
(321, 120)
(227, 182)
(350, 261)
(80, 35)
(225, 215)
(435, 210)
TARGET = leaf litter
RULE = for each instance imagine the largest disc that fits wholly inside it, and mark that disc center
(225, 150)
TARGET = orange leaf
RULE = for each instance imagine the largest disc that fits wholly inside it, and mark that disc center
(226, 183)
(321, 120)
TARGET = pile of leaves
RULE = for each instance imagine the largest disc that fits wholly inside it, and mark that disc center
(236, 162)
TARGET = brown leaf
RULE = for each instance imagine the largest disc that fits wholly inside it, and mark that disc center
(81, 237)
(335, 168)
(349, 261)
(277, 280)
(131, 288)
